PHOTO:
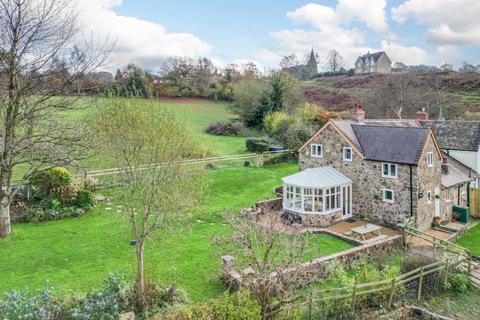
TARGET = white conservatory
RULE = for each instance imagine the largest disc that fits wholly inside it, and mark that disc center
(320, 196)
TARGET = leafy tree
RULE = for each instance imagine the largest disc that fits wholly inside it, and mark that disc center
(148, 144)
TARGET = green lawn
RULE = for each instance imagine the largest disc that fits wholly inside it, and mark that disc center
(196, 117)
(79, 253)
(471, 240)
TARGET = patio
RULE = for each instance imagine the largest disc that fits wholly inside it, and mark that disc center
(345, 229)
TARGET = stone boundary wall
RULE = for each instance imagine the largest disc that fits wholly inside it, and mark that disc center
(317, 268)
(269, 205)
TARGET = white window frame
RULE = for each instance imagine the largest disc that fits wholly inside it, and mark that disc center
(429, 159)
(448, 195)
(389, 174)
(429, 196)
(315, 147)
(351, 154)
(385, 190)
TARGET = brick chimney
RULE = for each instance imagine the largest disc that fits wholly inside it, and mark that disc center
(358, 113)
(445, 165)
(422, 115)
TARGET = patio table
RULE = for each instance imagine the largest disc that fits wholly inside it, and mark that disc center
(366, 229)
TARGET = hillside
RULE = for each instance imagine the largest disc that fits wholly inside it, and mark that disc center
(456, 92)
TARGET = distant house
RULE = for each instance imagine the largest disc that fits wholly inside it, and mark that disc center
(377, 62)
(383, 171)
(304, 71)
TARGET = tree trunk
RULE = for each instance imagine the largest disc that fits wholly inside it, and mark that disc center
(5, 228)
(139, 278)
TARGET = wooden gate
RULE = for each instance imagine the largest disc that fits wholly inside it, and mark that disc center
(474, 202)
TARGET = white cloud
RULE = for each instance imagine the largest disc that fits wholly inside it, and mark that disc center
(266, 55)
(136, 40)
(450, 22)
(371, 12)
(408, 55)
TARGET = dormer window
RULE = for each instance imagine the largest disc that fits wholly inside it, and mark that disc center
(347, 154)
(430, 159)
(389, 170)
(316, 150)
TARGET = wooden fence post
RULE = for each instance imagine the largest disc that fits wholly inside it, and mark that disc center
(420, 282)
(392, 292)
(445, 279)
(310, 306)
(354, 292)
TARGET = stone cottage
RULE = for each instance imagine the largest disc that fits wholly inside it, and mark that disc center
(383, 171)
(377, 62)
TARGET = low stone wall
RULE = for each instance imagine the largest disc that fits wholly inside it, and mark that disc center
(319, 220)
(317, 268)
(271, 205)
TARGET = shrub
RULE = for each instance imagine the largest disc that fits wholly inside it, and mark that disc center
(36, 213)
(432, 283)
(49, 181)
(87, 183)
(225, 129)
(323, 117)
(40, 304)
(292, 136)
(256, 145)
(459, 282)
(117, 296)
(308, 111)
(273, 120)
(236, 306)
(85, 199)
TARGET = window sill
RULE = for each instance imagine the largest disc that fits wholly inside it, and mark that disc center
(390, 177)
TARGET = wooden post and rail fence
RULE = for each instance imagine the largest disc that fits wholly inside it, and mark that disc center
(259, 159)
(459, 259)
(390, 287)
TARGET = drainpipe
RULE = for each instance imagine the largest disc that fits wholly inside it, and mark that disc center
(411, 191)
(458, 195)
(468, 194)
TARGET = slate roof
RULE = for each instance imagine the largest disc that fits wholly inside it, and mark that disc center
(456, 135)
(375, 56)
(457, 173)
(391, 144)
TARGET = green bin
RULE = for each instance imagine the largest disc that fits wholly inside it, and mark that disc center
(463, 214)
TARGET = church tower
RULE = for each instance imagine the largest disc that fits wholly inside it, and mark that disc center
(312, 66)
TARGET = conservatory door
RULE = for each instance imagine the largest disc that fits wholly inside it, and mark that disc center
(346, 202)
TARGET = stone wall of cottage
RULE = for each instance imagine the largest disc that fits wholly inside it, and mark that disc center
(427, 179)
(455, 195)
(368, 183)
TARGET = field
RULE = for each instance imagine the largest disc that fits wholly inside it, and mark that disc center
(79, 253)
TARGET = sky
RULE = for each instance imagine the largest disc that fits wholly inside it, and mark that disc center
(145, 32)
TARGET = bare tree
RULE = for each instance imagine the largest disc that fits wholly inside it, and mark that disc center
(149, 145)
(289, 61)
(271, 257)
(334, 61)
(39, 65)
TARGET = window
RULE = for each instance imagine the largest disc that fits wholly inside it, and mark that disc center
(289, 196)
(318, 200)
(347, 154)
(463, 190)
(429, 196)
(448, 196)
(430, 159)
(316, 150)
(388, 196)
(332, 198)
(308, 199)
(389, 170)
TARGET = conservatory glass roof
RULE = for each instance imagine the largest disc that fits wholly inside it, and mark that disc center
(317, 178)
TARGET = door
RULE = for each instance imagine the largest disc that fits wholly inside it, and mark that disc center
(437, 202)
(346, 202)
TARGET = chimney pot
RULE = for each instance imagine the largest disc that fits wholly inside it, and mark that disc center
(422, 115)
(358, 113)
